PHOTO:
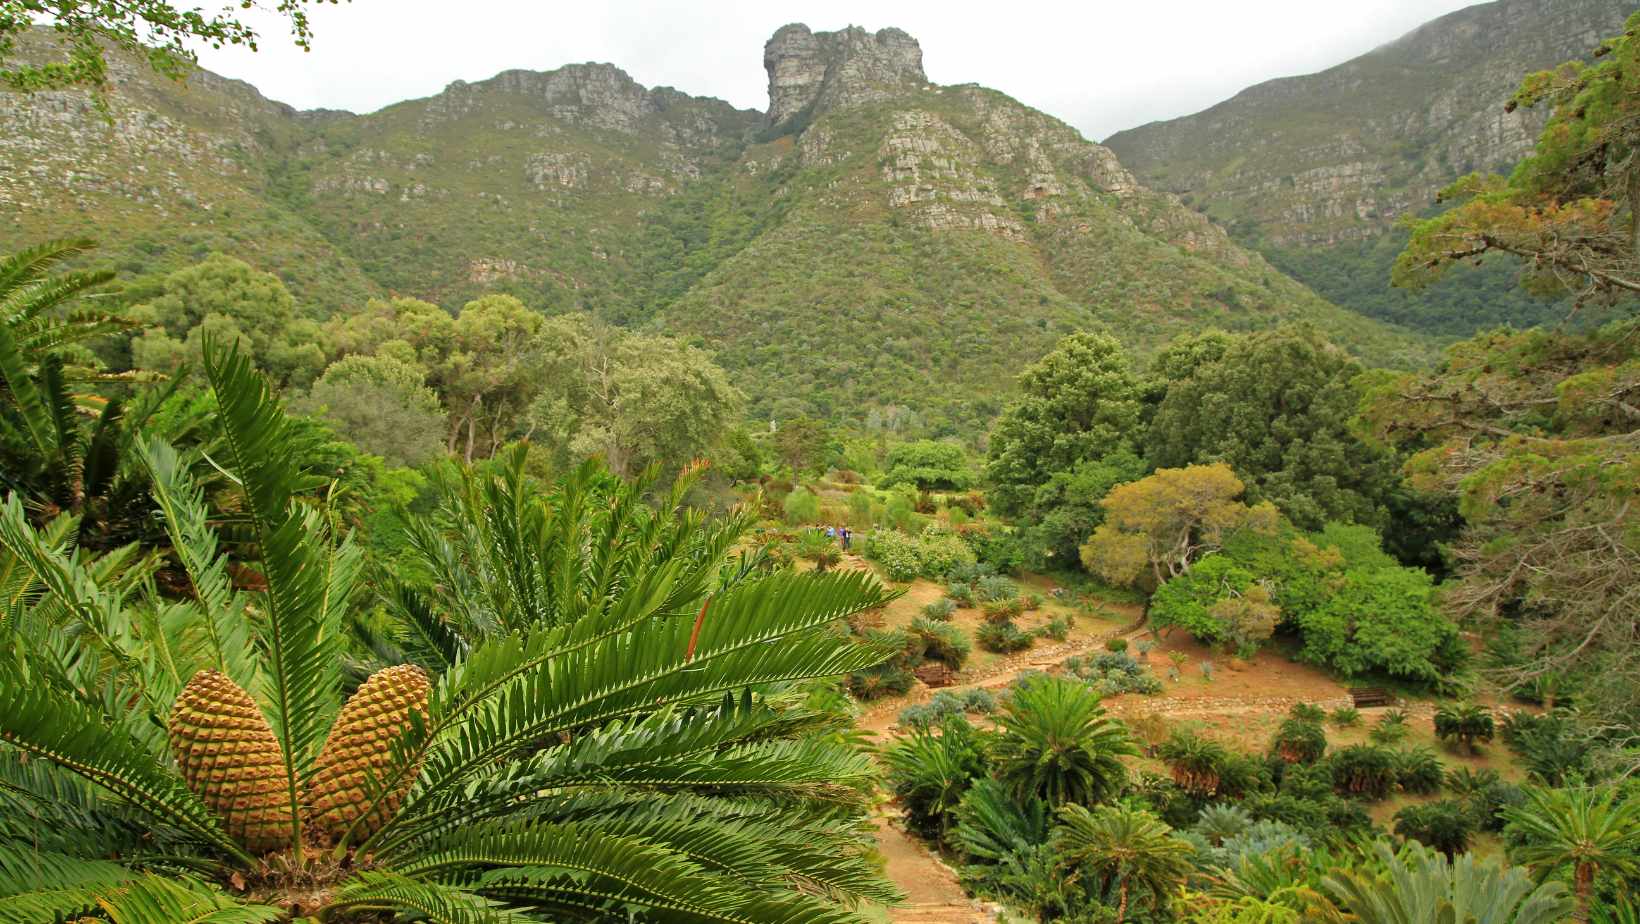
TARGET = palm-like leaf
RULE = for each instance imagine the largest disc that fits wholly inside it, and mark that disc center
(1421, 886)
(1582, 832)
(1124, 850)
(1058, 744)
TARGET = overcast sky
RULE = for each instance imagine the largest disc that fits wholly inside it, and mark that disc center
(1102, 65)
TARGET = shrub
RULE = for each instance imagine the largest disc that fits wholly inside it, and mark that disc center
(882, 680)
(1057, 629)
(1057, 744)
(1363, 771)
(940, 609)
(1001, 610)
(1031, 601)
(961, 594)
(1000, 550)
(1465, 724)
(1299, 741)
(1116, 644)
(941, 550)
(995, 587)
(946, 705)
(1002, 637)
(1308, 712)
(1444, 825)
(1196, 763)
(929, 773)
(801, 507)
(1207, 671)
(896, 552)
(1391, 728)
(1419, 771)
(1346, 717)
(943, 642)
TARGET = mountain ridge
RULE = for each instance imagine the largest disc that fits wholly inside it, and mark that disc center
(919, 241)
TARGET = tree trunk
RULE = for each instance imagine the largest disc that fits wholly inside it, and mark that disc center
(1121, 902)
(1582, 885)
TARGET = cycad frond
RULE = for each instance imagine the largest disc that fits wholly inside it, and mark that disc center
(757, 633)
(584, 872)
(38, 719)
(302, 629)
(156, 899)
(182, 501)
(438, 903)
(44, 886)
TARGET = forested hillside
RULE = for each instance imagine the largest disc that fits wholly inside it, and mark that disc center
(908, 239)
(1314, 171)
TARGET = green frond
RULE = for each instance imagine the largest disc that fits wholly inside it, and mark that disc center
(38, 719)
(195, 544)
(46, 807)
(156, 899)
(38, 886)
(301, 630)
(581, 872)
(442, 904)
(32, 263)
(32, 407)
(715, 751)
(757, 633)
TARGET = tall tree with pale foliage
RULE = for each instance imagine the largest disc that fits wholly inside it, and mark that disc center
(1158, 526)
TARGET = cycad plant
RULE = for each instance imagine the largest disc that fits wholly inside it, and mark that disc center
(1464, 723)
(1126, 852)
(1582, 833)
(193, 759)
(1057, 744)
(1420, 886)
(59, 450)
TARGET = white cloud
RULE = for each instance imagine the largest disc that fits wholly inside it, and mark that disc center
(1102, 65)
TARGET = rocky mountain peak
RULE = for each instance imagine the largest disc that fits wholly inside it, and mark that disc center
(811, 71)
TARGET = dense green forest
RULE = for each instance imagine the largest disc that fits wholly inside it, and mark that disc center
(498, 614)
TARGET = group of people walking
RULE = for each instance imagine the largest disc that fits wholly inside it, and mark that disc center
(840, 533)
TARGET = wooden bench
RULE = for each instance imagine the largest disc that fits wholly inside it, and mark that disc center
(1364, 697)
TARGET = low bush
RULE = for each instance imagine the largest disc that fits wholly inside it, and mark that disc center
(960, 593)
(1391, 728)
(1002, 637)
(1445, 825)
(945, 705)
(940, 609)
(1116, 644)
(933, 553)
(1346, 717)
(882, 680)
(1363, 771)
(929, 773)
(1058, 629)
(1031, 601)
(1001, 610)
(1419, 771)
(943, 642)
(1464, 724)
(1308, 712)
(1299, 741)
(995, 587)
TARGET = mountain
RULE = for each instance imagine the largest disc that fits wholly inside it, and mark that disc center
(1315, 170)
(873, 245)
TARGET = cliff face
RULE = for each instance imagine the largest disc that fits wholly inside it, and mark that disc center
(1338, 156)
(809, 71)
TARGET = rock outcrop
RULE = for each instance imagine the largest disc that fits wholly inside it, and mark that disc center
(1339, 155)
(813, 71)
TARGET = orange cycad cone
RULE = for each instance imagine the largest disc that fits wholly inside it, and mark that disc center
(357, 754)
(230, 759)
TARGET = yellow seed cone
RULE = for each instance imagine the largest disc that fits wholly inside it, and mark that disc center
(357, 753)
(231, 761)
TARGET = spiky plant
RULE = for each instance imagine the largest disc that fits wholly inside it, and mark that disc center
(620, 761)
(1125, 852)
(1196, 763)
(1300, 741)
(1585, 834)
(1057, 743)
(1422, 885)
(59, 450)
(1464, 723)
